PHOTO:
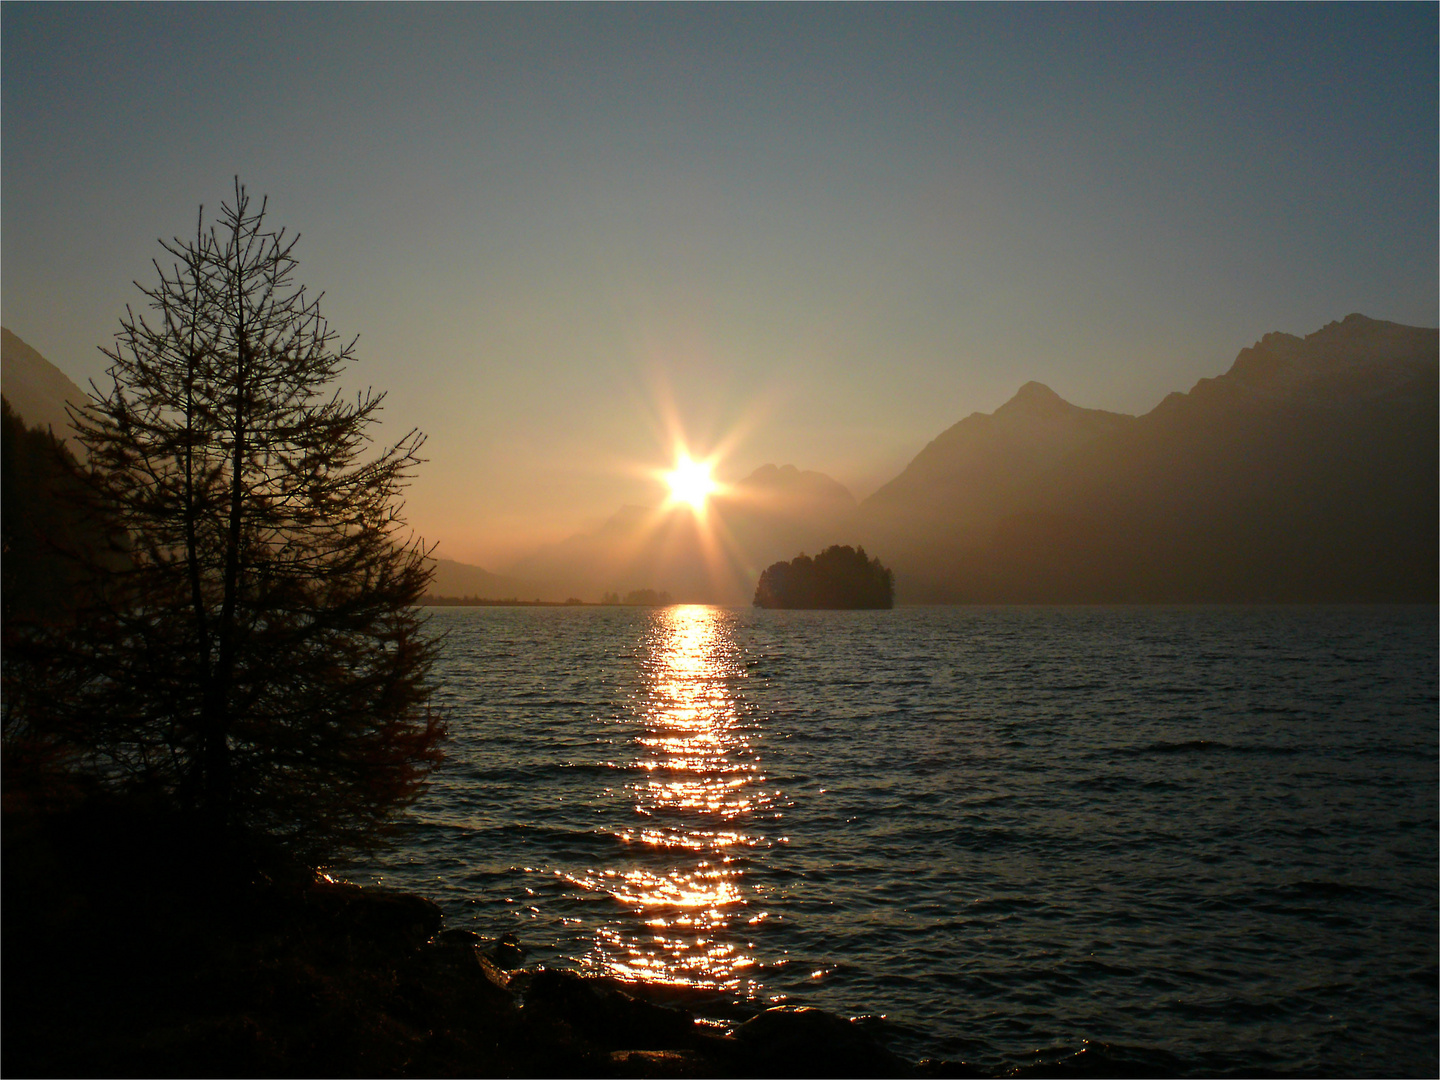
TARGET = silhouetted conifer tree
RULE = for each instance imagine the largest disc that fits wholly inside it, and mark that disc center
(259, 660)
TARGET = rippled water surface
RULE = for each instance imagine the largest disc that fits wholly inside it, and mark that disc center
(1207, 836)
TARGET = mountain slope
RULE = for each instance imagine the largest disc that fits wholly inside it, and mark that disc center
(36, 388)
(455, 579)
(972, 472)
(1306, 472)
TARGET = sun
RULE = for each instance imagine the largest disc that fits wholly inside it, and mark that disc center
(690, 482)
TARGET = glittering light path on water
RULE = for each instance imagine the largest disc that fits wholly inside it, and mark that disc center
(698, 795)
(1202, 833)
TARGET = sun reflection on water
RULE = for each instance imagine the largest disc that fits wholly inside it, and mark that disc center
(697, 796)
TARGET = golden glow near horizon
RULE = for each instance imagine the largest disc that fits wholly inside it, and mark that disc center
(690, 482)
(697, 787)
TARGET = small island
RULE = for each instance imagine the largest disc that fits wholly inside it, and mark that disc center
(839, 577)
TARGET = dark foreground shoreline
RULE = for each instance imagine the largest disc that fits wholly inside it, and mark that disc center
(169, 969)
(151, 958)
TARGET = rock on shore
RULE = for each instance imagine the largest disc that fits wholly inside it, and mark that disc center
(135, 966)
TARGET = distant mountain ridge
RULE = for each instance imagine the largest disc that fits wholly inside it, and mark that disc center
(975, 469)
(462, 581)
(1307, 472)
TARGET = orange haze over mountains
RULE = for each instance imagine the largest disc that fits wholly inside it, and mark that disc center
(1307, 472)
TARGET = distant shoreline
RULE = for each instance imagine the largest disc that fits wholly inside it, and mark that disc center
(476, 601)
(473, 601)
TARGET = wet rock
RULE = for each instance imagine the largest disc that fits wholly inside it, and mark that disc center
(454, 959)
(392, 921)
(801, 1041)
(599, 1010)
(1105, 1059)
(493, 975)
(947, 1070)
(507, 953)
(644, 1063)
(459, 937)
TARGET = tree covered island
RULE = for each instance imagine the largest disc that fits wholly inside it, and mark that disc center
(839, 577)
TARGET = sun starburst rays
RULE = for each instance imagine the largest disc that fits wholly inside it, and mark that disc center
(691, 482)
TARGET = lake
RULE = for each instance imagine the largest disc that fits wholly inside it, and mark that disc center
(1206, 836)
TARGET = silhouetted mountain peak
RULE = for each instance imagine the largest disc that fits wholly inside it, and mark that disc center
(773, 475)
(1352, 357)
(967, 466)
(789, 482)
(1356, 325)
(1036, 404)
(1306, 472)
(1034, 397)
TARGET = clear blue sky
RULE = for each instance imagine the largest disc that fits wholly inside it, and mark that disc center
(810, 234)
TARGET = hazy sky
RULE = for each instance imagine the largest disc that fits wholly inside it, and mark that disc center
(807, 234)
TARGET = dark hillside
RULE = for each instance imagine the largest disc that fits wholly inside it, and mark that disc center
(1306, 473)
(974, 471)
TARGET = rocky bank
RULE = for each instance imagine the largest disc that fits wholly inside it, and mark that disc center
(129, 951)
(146, 957)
